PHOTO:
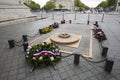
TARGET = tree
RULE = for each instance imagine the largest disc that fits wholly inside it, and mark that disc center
(111, 2)
(79, 4)
(108, 4)
(119, 4)
(103, 4)
(49, 5)
(76, 3)
(60, 6)
(32, 5)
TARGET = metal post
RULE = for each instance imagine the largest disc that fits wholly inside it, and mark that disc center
(40, 31)
(25, 38)
(41, 14)
(76, 59)
(96, 23)
(75, 15)
(25, 46)
(53, 15)
(11, 43)
(88, 18)
(102, 17)
(104, 51)
(109, 65)
(63, 15)
(70, 21)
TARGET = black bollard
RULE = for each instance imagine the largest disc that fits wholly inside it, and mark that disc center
(102, 18)
(25, 46)
(25, 38)
(63, 21)
(88, 19)
(40, 30)
(76, 59)
(96, 22)
(109, 65)
(70, 21)
(97, 25)
(104, 51)
(11, 43)
(88, 22)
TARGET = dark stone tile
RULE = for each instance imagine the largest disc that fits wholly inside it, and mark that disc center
(63, 75)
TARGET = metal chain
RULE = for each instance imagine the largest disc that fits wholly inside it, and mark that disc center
(18, 41)
(19, 45)
(33, 35)
(67, 56)
(93, 61)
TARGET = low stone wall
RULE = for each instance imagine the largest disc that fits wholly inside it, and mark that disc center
(16, 13)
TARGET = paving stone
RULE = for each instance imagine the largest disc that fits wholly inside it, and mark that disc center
(30, 78)
(88, 74)
(13, 77)
(13, 72)
(21, 70)
(67, 67)
(70, 72)
(4, 74)
(118, 77)
(101, 77)
(56, 77)
(12, 62)
(21, 76)
(63, 75)
(112, 79)
(46, 74)
(48, 78)
(75, 78)
(60, 70)
(93, 78)
(82, 76)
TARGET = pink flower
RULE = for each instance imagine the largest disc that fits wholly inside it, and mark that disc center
(46, 53)
(29, 47)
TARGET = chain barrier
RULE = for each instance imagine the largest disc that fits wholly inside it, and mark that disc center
(19, 45)
(93, 61)
(19, 41)
(86, 59)
(33, 35)
(67, 56)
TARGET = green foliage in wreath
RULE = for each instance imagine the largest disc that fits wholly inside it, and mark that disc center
(43, 54)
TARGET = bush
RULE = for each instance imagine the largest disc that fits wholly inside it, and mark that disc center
(32, 5)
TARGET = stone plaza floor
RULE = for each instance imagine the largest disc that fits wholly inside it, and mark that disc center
(13, 65)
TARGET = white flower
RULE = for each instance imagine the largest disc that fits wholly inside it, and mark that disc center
(29, 47)
(26, 56)
(53, 46)
(28, 52)
(43, 44)
(34, 58)
(40, 58)
(53, 50)
(52, 58)
(46, 53)
(37, 50)
(56, 49)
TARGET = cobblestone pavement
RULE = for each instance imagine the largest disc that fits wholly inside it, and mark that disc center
(14, 67)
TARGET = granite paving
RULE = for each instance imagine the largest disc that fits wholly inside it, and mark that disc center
(13, 65)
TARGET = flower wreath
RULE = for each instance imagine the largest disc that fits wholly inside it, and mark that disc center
(43, 54)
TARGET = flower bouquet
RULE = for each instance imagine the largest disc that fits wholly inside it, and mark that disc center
(43, 54)
(99, 34)
(46, 29)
